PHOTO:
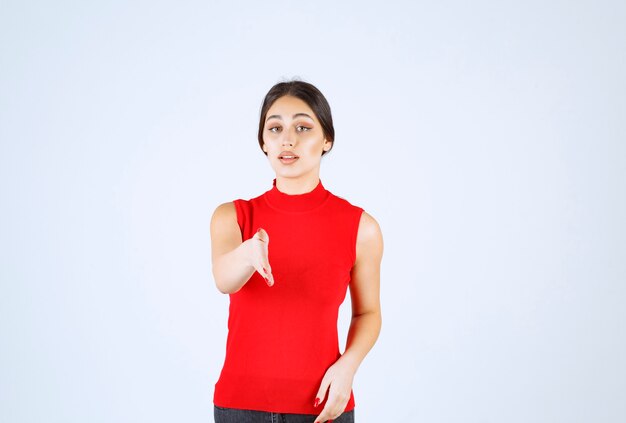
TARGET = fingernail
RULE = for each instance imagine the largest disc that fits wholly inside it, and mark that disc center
(317, 402)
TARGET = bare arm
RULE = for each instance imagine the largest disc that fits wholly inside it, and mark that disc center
(234, 261)
(365, 292)
(366, 320)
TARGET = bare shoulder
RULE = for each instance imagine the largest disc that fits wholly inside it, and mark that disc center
(225, 232)
(225, 212)
(224, 219)
(369, 237)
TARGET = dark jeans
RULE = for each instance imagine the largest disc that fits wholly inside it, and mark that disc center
(235, 415)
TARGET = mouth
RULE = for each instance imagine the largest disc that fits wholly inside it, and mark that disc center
(287, 157)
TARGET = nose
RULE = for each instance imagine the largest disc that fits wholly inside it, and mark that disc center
(289, 138)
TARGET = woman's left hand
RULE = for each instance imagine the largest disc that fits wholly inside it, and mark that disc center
(339, 378)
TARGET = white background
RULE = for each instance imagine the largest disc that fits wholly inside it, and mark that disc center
(487, 139)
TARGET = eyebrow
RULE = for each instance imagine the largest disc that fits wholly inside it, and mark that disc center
(294, 116)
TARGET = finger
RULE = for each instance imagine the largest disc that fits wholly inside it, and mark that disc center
(262, 270)
(335, 404)
(265, 264)
(267, 271)
(324, 416)
(331, 410)
(267, 274)
(265, 268)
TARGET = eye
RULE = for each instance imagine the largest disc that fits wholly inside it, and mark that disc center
(274, 129)
(301, 128)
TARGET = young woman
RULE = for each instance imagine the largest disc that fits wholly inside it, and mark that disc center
(286, 258)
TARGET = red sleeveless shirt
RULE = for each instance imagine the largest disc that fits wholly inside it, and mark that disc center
(282, 339)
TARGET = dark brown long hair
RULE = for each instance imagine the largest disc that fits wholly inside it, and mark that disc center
(307, 93)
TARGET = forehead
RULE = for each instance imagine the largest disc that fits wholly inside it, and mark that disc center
(287, 106)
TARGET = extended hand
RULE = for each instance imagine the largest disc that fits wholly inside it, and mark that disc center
(339, 378)
(259, 255)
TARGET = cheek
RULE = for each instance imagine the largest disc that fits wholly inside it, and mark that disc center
(314, 142)
(313, 149)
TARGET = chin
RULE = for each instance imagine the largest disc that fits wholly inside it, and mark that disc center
(291, 173)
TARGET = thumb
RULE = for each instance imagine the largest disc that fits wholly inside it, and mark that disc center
(262, 235)
(321, 393)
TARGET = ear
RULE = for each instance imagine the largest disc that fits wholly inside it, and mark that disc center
(264, 148)
(327, 144)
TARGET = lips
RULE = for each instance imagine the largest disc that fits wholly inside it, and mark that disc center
(287, 155)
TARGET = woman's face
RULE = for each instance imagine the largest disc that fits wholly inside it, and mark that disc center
(292, 129)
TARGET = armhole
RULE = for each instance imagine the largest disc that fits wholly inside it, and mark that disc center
(358, 213)
(241, 214)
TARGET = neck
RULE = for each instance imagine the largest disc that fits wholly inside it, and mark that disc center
(305, 200)
(293, 186)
